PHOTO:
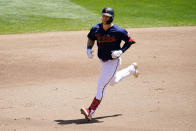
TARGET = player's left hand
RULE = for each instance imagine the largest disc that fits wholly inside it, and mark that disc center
(116, 53)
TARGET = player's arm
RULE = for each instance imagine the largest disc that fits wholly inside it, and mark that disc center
(90, 44)
(128, 42)
(127, 45)
(126, 37)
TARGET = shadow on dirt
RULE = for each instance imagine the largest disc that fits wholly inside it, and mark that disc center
(84, 121)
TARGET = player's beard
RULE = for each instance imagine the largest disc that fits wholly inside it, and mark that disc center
(106, 23)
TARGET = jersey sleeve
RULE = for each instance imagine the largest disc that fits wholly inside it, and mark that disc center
(91, 34)
(126, 37)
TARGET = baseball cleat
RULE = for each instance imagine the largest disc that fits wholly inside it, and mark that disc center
(86, 113)
(136, 72)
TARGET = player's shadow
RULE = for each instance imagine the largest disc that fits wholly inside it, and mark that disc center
(84, 121)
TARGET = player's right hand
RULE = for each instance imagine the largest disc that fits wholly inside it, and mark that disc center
(90, 53)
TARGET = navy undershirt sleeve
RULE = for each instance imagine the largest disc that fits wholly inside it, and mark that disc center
(127, 39)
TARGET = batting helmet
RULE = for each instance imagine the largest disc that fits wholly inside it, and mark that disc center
(108, 11)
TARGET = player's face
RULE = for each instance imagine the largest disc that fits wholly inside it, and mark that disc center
(105, 18)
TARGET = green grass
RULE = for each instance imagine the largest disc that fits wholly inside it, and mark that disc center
(26, 16)
(147, 13)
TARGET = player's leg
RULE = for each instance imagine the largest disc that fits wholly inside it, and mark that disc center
(124, 73)
(109, 69)
(89, 112)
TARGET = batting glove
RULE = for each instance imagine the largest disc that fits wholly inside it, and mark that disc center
(116, 53)
(90, 53)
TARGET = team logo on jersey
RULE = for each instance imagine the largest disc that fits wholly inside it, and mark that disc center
(102, 39)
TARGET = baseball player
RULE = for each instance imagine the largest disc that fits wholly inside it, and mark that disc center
(108, 37)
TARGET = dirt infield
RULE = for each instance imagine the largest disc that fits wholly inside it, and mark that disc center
(45, 79)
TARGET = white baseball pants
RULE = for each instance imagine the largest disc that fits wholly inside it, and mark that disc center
(111, 75)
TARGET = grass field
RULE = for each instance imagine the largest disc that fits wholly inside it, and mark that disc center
(147, 13)
(26, 16)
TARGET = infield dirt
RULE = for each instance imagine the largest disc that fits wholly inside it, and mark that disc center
(45, 78)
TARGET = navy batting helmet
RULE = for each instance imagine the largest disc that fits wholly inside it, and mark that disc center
(108, 11)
